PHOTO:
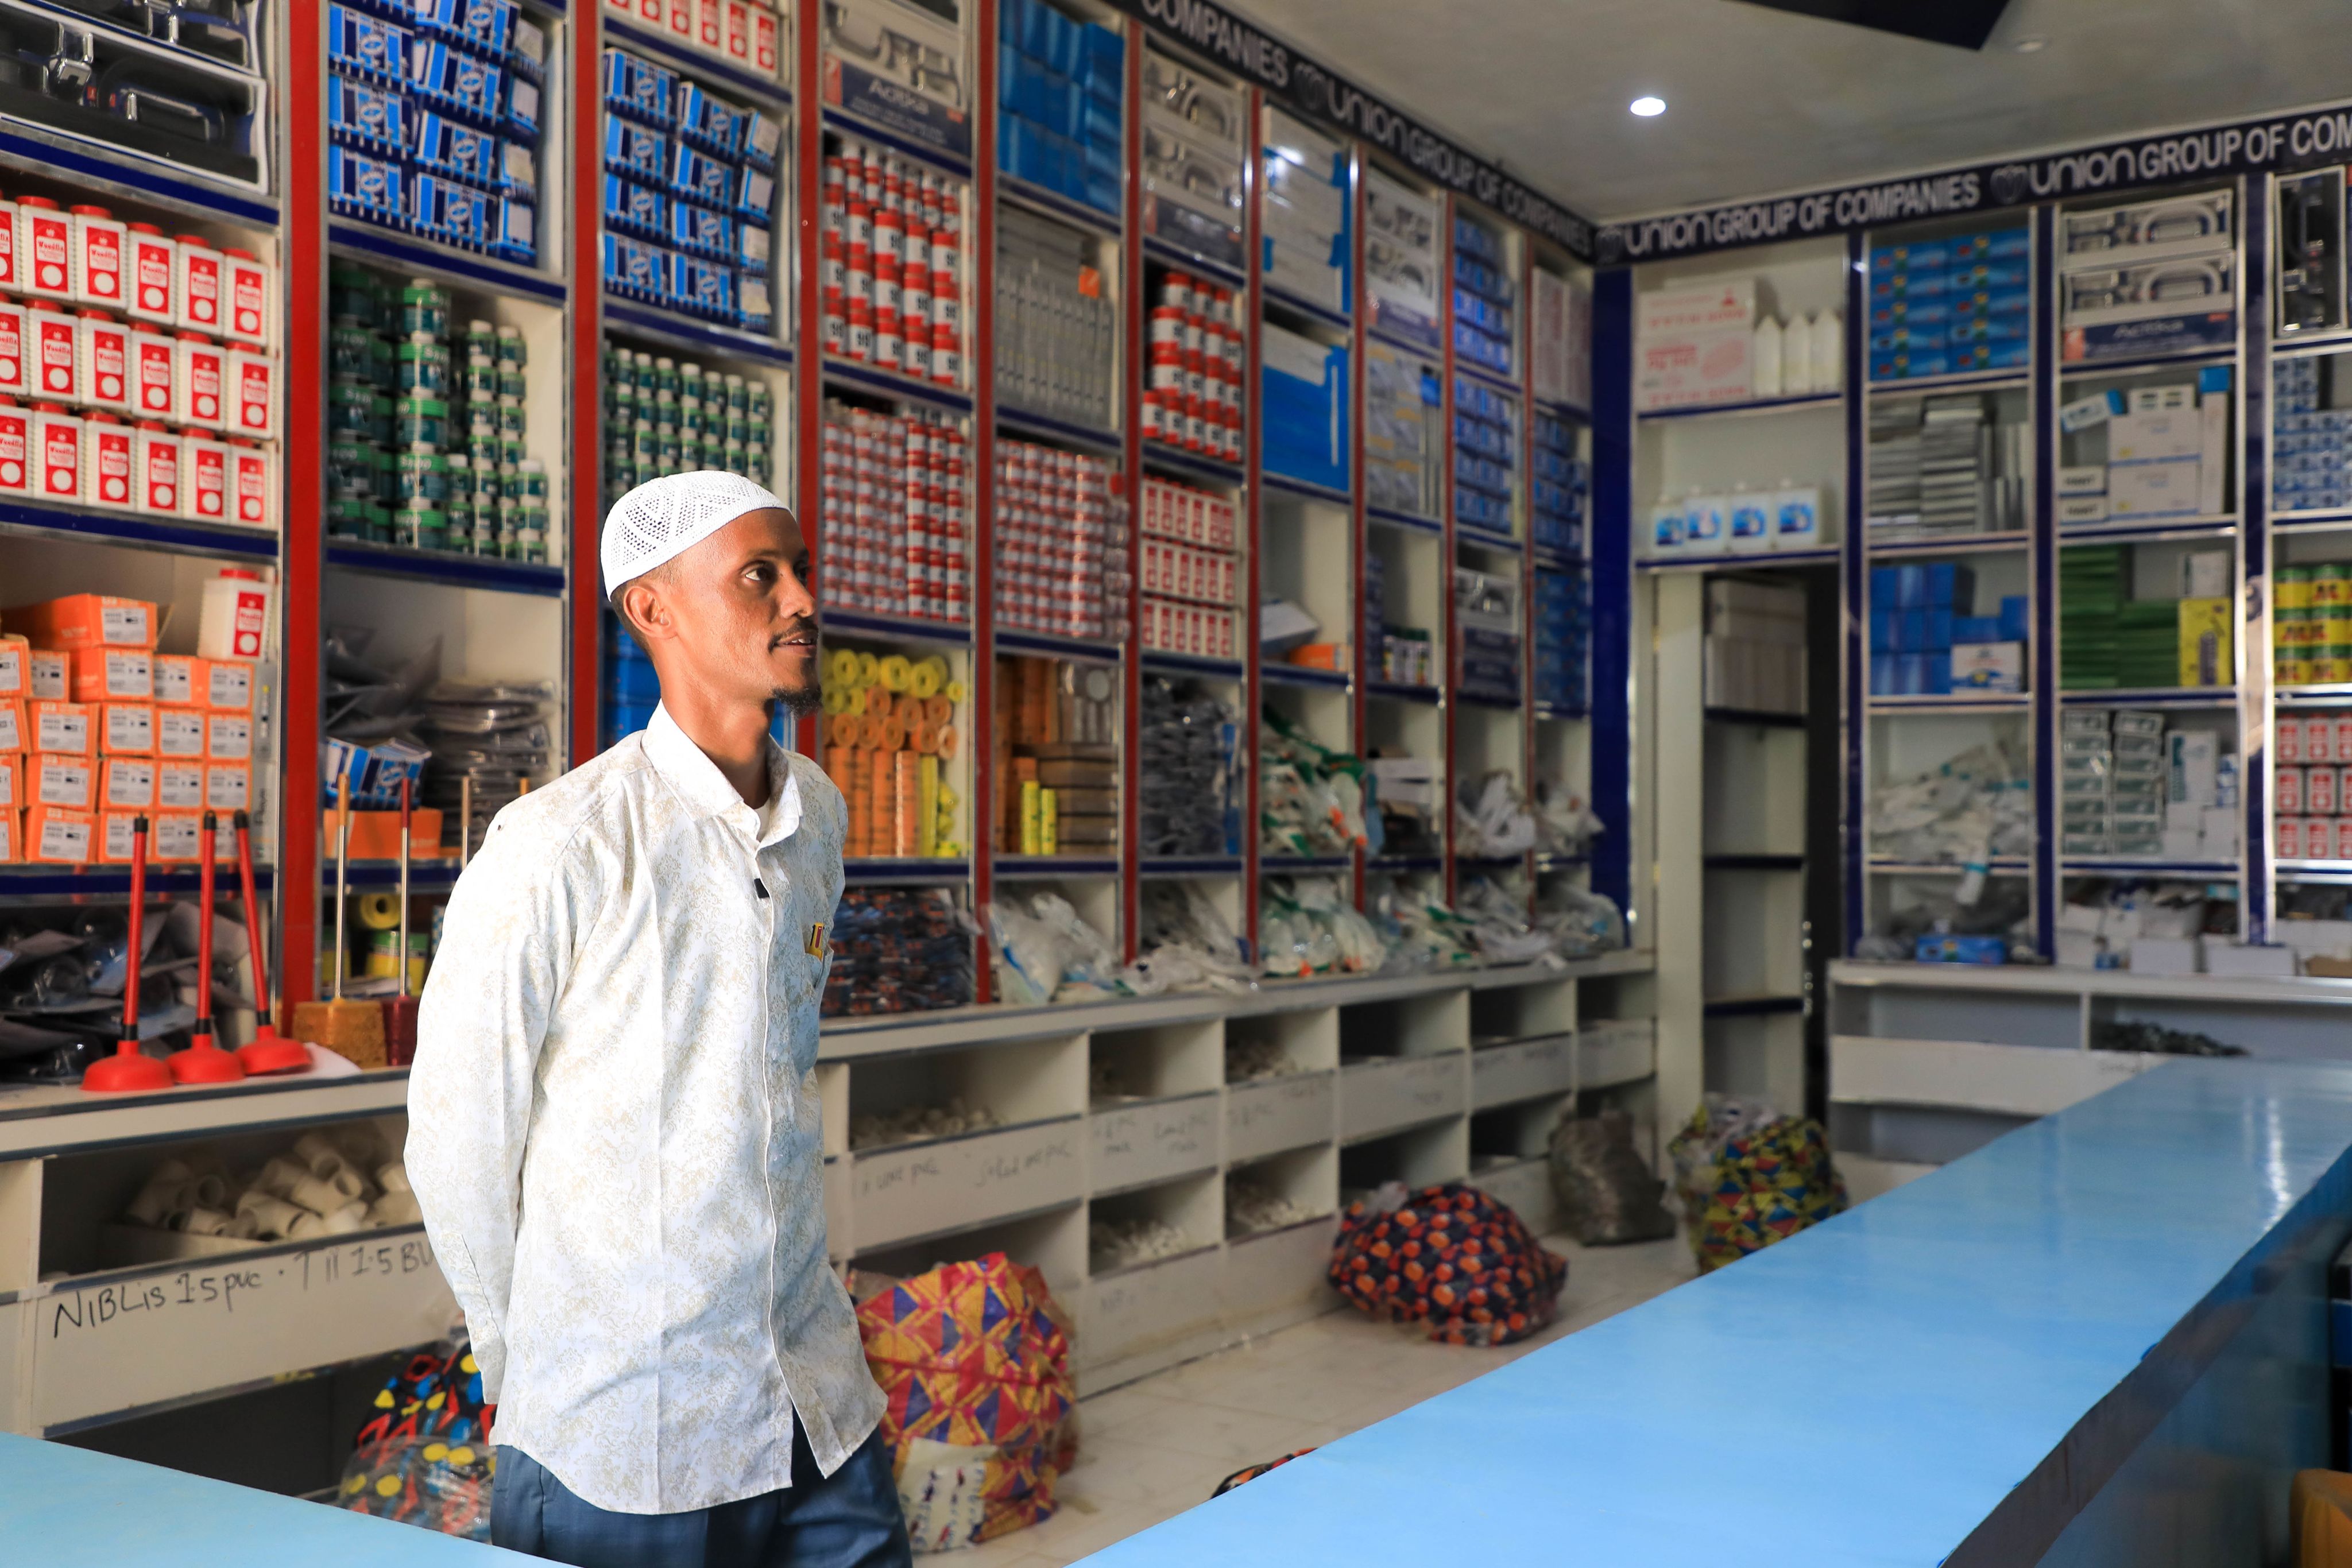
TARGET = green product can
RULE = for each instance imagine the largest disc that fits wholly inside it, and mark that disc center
(482, 449)
(664, 379)
(424, 310)
(351, 468)
(738, 428)
(482, 341)
(511, 384)
(668, 453)
(511, 352)
(511, 450)
(2294, 586)
(756, 401)
(347, 518)
(424, 478)
(351, 296)
(423, 423)
(350, 352)
(481, 420)
(481, 379)
(379, 523)
(735, 459)
(689, 418)
(510, 416)
(381, 412)
(348, 407)
(423, 369)
(739, 396)
(421, 527)
(533, 475)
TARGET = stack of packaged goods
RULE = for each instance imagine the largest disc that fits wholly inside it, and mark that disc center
(2108, 641)
(747, 34)
(1563, 630)
(493, 732)
(2111, 783)
(1484, 299)
(1303, 399)
(1486, 613)
(1404, 651)
(1946, 306)
(426, 420)
(136, 370)
(1192, 391)
(1187, 774)
(1059, 86)
(897, 950)
(689, 196)
(2167, 452)
(1305, 217)
(2308, 787)
(893, 264)
(1561, 484)
(1403, 272)
(2311, 448)
(665, 417)
(1193, 159)
(1056, 736)
(1403, 399)
(894, 498)
(889, 727)
(2091, 583)
(1190, 576)
(2157, 274)
(1560, 357)
(434, 114)
(1485, 458)
(2312, 642)
(97, 728)
(1056, 334)
(1061, 566)
(1927, 640)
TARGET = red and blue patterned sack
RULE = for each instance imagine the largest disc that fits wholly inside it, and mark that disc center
(1450, 1257)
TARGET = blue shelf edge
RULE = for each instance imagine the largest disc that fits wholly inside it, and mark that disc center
(624, 315)
(21, 881)
(887, 383)
(96, 161)
(848, 124)
(1746, 406)
(1054, 205)
(1405, 520)
(1028, 868)
(1406, 863)
(894, 870)
(1302, 676)
(1231, 274)
(1190, 865)
(1273, 865)
(1216, 470)
(434, 566)
(910, 629)
(1305, 488)
(1405, 692)
(1283, 300)
(380, 244)
(1753, 1007)
(1021, 422)
(1500, 383)
(1485, 538)
(1160, 663)
(135, 528)
(1058, 647)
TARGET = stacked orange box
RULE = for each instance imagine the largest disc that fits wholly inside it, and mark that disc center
(1189, 574)
(108, 730)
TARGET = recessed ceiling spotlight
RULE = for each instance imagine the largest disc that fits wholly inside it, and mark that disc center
(1646, 106)
(2029, 45)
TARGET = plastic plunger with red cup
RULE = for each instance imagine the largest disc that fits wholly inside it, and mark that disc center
(265, 1053)
(127, 1072)
(203, 1061)
(400, 1008)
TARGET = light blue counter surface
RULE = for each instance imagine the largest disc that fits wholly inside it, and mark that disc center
(1949, 1374)
(1955, 1373)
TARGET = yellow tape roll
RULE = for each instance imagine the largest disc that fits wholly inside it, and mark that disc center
(869, 669)
(841, 667)
(378, 911)
(954, 692)
(894, 672)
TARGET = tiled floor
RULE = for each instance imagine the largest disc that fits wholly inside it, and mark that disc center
(1160, 1445)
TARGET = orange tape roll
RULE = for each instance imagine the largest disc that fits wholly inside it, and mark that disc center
(945, 740)
(894, 734)
(927, 737)
(938, 711)
(878, 703)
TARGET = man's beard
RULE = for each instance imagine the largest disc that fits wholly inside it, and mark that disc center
(799, 701)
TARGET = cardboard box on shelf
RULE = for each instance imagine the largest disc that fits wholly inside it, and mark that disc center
(110, 674)
(180, 733)
(69, 781)
(127, 783)
(59, 835)
(62, 727)
(87, 621)
(127, 729)
(2206, 659)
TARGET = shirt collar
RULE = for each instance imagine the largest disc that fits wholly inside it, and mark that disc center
(705, 790)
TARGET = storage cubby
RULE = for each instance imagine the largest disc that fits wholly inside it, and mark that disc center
(1019, 1083)
(1413, 1026)
(1307, 1180)
(1053, 1243)
(1507, 1014)
(1418, 1156)
(1189, 1209)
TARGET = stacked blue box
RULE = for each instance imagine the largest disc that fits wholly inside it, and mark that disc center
(1558, 487)
(1918, 613)
(1562, 634)
(631, 687)
(1302, 386)
(1946, 306)
(2310, 445)
(1484, 300)
(1486, 455)
(689, 198)
(1059, 86)
(433, 110)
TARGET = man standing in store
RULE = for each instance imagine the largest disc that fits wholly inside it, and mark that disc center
(613, 1113)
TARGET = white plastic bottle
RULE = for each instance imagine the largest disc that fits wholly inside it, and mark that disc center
(1667, 520)
(1797, 516)
(1749, 520)
(1764, 362)
(1702, 528)
(1828, 352)
(1797, 356)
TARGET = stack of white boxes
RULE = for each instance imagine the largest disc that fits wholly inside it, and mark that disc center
(1754, 647)
(1559, 320)
(2167, 452)
(1193, 159)
(1692, 346)
(1404, 272)
(2130, 786)
(2307, 790)
(1306, 213)
(1189, 574)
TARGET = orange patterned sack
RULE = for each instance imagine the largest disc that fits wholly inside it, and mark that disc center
(970, 1356)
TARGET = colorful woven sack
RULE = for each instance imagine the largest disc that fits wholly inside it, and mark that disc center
(1450, 1257)
(974, 1360)
(1766, 1186)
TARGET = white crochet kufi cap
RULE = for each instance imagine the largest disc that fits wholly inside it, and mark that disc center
(662, 518)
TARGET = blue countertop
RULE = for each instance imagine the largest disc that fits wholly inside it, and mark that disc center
(67, 1508)
(1970, 1356)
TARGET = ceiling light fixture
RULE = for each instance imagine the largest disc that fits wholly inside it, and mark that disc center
(1646, 106)
(2029, 45)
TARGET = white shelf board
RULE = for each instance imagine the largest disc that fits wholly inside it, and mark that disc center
(38, 1120)
(1969, 1075)
(2296, 991)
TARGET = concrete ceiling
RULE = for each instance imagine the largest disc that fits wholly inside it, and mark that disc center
(1760, 101)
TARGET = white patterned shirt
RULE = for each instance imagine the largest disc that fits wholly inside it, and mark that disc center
(614, 1129)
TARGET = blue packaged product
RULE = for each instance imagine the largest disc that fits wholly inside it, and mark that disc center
(637, 151)
(1987, 329)
(360, 185)
(755, 196)
(488, 24)
(518, 171)
(1962, 303)
(448, 146)
(700, 177)
(635, 209)
(453, 79)
(1930, 255)
(1985, 274)
(1943, 948)
(452, 210)
(526, 51)
(1929, 311)
(753, 250)
(1946, 583)
(367, 46)
(516, 237)
(1908, 284)
(762, 140)
(700, 230)
(708, 122)
(520, 108)
(634, 267)
(753, 308)
(1469, 236)
(2013, 618)
(701, 286)
(362, 115)
(1901, 366)
(637, 88)
(1897, 340)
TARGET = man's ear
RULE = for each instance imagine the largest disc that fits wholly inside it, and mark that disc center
(643, 612)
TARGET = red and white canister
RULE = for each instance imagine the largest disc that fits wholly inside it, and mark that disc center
(151, 260)
(57, 452)
(156, 450)
(96, 236)
(198, 283)
(106, 460)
